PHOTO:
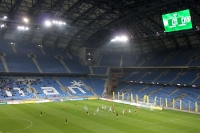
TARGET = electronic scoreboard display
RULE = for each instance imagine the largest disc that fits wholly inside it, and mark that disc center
(177, 21)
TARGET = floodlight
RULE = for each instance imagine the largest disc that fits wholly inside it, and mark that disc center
(124, 38)
(47, 23)
(2, 25)
(22, 28)
(25, 20)
(5, 17)
(120, 39)
(54, 22)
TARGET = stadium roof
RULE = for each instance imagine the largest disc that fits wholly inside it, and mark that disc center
(92, 23)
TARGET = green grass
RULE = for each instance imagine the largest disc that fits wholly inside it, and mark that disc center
(25, 118)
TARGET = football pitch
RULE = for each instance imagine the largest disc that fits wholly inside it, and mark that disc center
(25, 118)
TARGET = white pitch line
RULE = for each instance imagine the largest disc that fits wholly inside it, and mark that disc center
(31, 123)
(155, 113)
(151, 122)
(128, 118)
(172, 120)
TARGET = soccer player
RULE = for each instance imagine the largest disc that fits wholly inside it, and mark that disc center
(66, 121)
(85, 107)
(136, 109)
(104, 107)
(41, 114)
(123, 111)
(110, 110)
(113, 108)
(63, 107)
(87, 112)
(117, 115)
(129, 111)
(97, 110)
(75, 105)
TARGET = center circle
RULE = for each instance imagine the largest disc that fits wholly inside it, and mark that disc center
(18, 124)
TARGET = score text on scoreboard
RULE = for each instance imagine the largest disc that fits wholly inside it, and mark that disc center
(177, 21)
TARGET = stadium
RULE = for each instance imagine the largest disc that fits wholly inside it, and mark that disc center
(93, 66)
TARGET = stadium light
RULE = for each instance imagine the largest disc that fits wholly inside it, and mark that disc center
(2, 25)
(23, 28)
(47, 23)
(25, 20)
(5, 17)
(120, 39)
(55, 22)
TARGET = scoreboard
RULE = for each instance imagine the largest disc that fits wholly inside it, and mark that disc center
(177, 21)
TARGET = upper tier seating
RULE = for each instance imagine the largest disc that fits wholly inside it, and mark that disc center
(181, 58)
(167, 77)
(151, 75)
(129, 60)
(99, 70)
(110, 60)
(186, 77)
(17, 60)
(158, 58)
(50, 64)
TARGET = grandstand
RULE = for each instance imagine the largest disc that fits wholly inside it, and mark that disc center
(68, 49)
(45, 60)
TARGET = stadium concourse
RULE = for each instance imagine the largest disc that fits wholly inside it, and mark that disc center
(141, 51)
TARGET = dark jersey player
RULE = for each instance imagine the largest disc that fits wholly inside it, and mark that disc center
(66, 121)
(117, 115)
(87, 112)
(41, 114)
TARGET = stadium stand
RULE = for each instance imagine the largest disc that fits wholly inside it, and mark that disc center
(100, 70)
(181, 58)
(20, 57)
(151, 75)
(110, 60)
(18, 88)
(129, 60)
(167, 76)
(158, 58)
(75, 86)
